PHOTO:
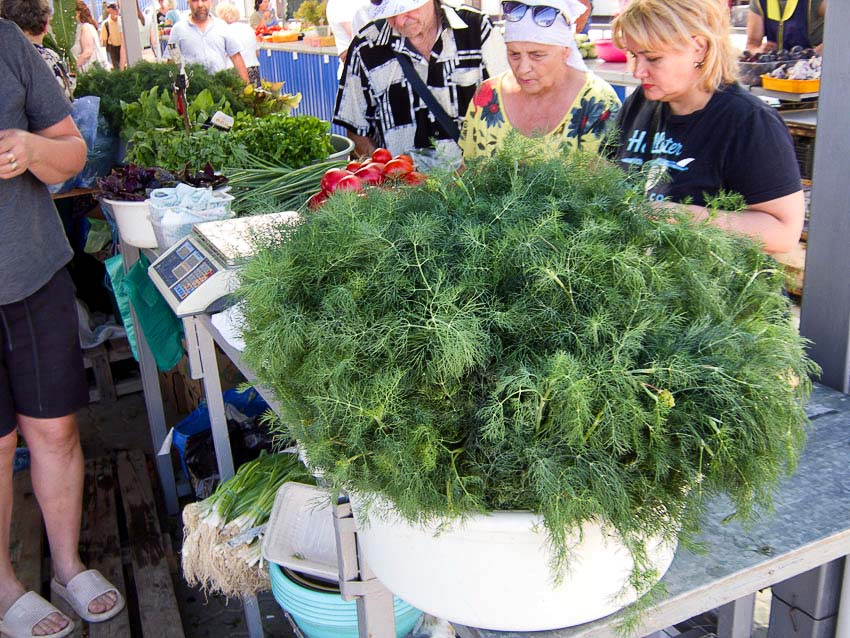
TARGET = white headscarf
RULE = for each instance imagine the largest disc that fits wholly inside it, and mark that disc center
(390, 8)
(559, 33)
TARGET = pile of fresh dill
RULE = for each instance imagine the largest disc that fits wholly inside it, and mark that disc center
(530, 335)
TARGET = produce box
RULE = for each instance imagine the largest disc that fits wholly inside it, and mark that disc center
(284, 36)
(320, 41)
(791, 86)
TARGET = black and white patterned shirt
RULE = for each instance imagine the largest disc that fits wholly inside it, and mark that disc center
(375, 100)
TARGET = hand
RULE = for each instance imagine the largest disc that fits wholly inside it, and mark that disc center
(14, 153)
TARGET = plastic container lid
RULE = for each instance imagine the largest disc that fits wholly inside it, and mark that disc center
(300, 533)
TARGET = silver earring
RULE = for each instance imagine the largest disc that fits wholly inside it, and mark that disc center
(699, 65)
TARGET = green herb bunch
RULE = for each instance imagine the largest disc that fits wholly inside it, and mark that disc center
(530, 336)
(284, 140)
(116, 86)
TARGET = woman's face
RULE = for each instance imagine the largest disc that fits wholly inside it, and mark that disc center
(666, 74)
(537, 67)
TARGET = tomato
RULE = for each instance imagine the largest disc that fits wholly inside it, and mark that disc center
(332, 177)
(414, 178)
(381, 155)
(397, 168)
(317, 200)
(405, 158)
(353, 166)
(378, 165)
(370, 174)
(349, 183)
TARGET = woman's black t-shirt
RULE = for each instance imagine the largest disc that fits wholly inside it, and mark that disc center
(735, 144)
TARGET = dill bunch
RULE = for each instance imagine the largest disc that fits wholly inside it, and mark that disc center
(529, 335)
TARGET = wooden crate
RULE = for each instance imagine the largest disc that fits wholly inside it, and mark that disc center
(121, 534)
(100, 360)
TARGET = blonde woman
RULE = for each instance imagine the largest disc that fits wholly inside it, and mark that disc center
(86, 49)
(695, 131)
(246, 38)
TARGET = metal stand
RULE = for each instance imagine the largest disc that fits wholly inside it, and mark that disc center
(153, 397)
(735, 619)
(375, 614)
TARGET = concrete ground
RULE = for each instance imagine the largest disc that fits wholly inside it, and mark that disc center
(123, 426)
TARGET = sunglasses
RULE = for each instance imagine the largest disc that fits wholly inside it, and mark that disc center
(542, 16)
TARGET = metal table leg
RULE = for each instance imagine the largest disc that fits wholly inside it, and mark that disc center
(735, 619)
(198, 338)
(842, 625)
(153, 397)
(204, 365)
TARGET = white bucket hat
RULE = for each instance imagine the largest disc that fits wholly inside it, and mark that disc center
(390, 8)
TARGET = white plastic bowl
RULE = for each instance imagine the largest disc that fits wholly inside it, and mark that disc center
(494, 571)
(134, 227)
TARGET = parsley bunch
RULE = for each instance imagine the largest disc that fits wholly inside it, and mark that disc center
(530, 336)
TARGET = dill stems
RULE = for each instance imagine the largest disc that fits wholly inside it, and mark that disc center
(529, 336)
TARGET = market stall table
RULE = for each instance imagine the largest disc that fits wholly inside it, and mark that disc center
(809, 528)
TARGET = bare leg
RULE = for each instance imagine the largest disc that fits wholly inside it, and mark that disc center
(10, 587)
(57, 477)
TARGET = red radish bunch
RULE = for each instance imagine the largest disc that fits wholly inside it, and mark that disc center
(380, 168)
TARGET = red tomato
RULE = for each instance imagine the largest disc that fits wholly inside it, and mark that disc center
(381, 155)
(414, 178)
(370, 174)
(332, 177)
(397, 168)
(317, 200)
(353, 166)
(405, 158)
(349, 183)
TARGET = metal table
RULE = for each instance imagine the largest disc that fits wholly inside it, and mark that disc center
(810, 527)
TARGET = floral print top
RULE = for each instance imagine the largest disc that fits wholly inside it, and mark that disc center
(584, 125)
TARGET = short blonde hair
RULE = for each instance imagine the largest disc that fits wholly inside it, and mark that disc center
(651, 24)
(227, 12)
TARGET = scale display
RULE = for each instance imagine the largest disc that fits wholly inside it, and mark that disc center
(184, 270)
(196, 272)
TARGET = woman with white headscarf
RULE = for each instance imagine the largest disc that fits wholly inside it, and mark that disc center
(548, 91)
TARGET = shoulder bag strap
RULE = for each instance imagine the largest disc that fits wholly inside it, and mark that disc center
(425, 94)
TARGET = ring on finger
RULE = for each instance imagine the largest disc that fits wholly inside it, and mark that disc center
(12, 158)
(14, 164)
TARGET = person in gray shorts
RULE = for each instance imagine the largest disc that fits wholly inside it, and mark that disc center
(42, 381)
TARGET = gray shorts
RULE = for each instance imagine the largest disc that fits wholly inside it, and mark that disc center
(41, 362)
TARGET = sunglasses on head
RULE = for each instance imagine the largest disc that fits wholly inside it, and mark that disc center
(542, 16)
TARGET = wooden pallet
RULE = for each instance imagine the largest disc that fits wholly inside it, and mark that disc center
(100, 359)
(121, 536)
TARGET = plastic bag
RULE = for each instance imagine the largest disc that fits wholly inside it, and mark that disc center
(84, 112)
(102, 155)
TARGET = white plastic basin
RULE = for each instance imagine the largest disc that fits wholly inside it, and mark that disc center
(494, 571)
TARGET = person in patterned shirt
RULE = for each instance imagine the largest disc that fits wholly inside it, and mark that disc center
(548, 91)
(33, 17)
(452, 49)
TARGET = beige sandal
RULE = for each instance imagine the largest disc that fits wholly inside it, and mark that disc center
(82, 589)
(26, 612)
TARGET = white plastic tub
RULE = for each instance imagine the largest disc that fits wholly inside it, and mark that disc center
(494, 571)
(134, 227)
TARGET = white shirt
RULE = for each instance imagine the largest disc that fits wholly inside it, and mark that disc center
(247, 39)
(340, 12)
(211, 47)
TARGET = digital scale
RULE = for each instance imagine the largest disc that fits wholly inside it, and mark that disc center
(202, 268)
